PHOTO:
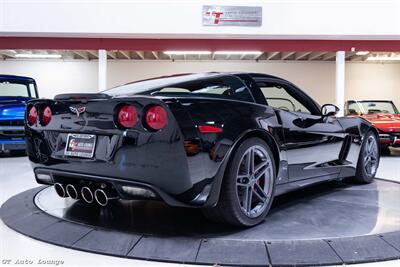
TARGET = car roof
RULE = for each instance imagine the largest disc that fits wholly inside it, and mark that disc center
(193, 76)
(16, 78)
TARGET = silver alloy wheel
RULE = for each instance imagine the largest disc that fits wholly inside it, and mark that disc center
(371, 156)
(254, 181)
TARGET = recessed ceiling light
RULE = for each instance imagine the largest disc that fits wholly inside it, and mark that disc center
(362, 53)
(384, 58)
(38, 56)
(187, 52)
(238, 52)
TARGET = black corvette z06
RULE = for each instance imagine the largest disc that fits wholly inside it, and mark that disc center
(227, 143)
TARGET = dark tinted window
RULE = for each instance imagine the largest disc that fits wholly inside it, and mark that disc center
(229, 87)
(281, 97)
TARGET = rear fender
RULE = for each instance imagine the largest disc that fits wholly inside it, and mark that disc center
(260, 133)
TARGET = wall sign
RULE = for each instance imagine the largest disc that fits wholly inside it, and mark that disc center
(250, 16)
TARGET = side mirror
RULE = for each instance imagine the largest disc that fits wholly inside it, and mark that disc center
(329, 110)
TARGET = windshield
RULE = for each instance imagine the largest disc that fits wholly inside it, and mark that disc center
(8, 88)
(372, 107)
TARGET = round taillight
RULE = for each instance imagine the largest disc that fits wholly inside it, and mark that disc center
(127, 116)
(156, 117)
(32, 116)
(46, 116)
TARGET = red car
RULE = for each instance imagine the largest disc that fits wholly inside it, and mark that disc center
(383, 115)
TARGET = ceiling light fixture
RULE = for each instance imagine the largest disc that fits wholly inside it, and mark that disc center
(38, 56)
(238, 53)
(362, 53)
(187, 52)
(384, 58)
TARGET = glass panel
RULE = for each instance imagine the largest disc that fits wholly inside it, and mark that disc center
(32, 90)
(220, 87)
(278, 97)
(13, 89)
(371, 107)
(378, 107)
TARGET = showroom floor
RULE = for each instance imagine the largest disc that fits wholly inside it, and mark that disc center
(16, 176)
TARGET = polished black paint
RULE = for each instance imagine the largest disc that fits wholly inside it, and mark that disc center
(181, 165)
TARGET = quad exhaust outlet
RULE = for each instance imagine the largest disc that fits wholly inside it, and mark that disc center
(89, 194)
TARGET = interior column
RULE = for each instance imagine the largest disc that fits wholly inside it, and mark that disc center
(340, 82)
(102, 69)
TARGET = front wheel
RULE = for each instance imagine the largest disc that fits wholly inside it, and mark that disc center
(368, 160)
(248, 187)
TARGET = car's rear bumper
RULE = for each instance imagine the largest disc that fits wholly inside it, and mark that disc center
(123, 187)
(12, 137)
(11, 145)
(389, 139)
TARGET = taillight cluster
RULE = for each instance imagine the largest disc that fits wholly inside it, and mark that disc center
(155, 117)
(43, 116)
(127, 116)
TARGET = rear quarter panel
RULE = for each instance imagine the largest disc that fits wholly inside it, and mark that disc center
(237, 120)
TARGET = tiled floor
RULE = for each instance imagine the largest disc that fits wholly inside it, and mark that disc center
(16, 176)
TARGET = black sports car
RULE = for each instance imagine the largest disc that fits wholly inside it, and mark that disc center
(224, 142)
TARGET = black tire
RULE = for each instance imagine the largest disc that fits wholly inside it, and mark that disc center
(229, 209)
(362, 175)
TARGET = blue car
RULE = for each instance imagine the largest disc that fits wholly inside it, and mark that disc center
(15, 91)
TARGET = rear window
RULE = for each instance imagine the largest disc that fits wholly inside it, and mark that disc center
(229, 87)
(13, 89)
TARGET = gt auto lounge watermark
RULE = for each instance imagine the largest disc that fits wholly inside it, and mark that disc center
(250, 16)
(32, 262)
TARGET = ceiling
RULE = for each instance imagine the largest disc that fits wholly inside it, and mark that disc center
(157, 55)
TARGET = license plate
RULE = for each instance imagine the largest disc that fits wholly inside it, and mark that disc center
(80, 145)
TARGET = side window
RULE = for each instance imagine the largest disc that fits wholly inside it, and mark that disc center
(32, 90)
(279, 97)
(353, 108)
(223, 87)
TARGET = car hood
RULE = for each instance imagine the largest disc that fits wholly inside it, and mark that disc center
(12, 108)
(384, 122)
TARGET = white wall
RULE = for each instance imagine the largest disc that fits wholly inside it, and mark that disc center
(55, 77)
(300, 19)
(363, 80)
(318, 79)
(373, 81)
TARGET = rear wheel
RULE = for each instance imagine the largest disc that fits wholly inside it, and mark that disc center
(248, 187)
(368, 160)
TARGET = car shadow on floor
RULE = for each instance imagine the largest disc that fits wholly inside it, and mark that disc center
(157, 218)
(12, 154)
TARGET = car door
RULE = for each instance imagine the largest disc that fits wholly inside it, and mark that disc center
(312, 142)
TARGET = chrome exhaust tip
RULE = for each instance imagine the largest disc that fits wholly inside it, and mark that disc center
(101, 197)
(71, 191)
(87, 194)
(59, 188)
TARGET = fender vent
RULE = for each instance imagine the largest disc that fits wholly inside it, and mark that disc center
(345, 148)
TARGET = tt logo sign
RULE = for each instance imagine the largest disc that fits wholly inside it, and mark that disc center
(216, 15)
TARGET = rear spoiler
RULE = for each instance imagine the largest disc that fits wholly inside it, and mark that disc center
(81, 96)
